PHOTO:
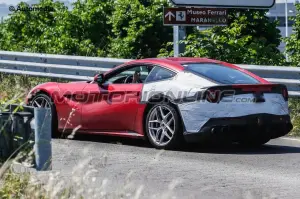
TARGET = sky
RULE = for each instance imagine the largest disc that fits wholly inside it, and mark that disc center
(4, 5)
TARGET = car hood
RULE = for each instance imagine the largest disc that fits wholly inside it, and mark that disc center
(72, 86)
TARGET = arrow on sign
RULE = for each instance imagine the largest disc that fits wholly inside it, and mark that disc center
(170, 15)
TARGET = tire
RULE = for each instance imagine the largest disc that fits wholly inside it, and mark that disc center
(254, 142)
(55, 133)
(167, 126)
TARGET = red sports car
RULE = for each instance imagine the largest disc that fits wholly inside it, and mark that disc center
(168, 101)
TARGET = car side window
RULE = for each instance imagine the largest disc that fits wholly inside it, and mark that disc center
(134, 74)
(159, 74)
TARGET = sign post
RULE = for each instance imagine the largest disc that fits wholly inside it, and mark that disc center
(179, 35)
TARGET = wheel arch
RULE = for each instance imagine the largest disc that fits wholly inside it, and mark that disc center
(157, 99)
(33, 94)
(55, 122)
(50, 89)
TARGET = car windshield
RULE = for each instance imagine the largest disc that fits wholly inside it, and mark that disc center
(219, 73)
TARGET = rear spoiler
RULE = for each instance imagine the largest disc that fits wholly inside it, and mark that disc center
(216, 93)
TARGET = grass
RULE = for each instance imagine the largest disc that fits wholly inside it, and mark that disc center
(14, 88)
(23, 186)
(19, 186)
(295, 116)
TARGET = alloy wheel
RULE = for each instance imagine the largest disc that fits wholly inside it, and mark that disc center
(161, 125)
(41, 102)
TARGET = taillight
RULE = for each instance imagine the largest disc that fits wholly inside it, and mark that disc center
(285, 94)
(213, 96)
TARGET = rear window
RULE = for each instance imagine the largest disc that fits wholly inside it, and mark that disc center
(220, 73)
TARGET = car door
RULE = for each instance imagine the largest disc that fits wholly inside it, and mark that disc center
(113, 105)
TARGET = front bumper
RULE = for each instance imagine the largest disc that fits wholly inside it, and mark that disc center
(240, 128)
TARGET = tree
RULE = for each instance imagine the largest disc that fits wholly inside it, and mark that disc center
(33, 31)
(91, 25)
(82, 31)
(293, 42)
(249, 38)
(3, 32)
(138, 30)
(134, 29)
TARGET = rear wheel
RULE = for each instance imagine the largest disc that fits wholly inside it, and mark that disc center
(163, 126)
(42, 100)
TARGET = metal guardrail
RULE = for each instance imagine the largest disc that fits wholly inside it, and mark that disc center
(84, 68)
(25, 128)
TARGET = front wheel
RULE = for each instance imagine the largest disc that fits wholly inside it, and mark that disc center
(163, 126)
(42, 100)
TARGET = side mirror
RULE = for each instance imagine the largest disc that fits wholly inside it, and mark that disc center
(99, 78)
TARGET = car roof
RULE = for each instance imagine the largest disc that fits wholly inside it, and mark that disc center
(174, 63)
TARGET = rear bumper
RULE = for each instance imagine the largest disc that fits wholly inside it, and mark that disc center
(237, 128)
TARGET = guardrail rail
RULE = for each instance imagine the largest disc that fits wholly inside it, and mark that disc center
(84, 68)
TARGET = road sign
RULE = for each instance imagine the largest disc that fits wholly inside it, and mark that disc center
(195, 16)
(226, 3)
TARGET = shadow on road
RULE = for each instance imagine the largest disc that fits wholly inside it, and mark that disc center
(237, 149)
(193, 148)
(112, 140)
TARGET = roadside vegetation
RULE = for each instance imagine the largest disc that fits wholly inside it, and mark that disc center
(14, 88)
(134, 29)
(19, 186)
(295, 116)
(23, 186)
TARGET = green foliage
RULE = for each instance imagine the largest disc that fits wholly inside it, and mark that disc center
(88, 23)
(16, 186)
(134, 29)
(293, 42)
(82, 31)
(117, 28)
(249, 38)
(34, 31)
(138, 30)
(294, 106)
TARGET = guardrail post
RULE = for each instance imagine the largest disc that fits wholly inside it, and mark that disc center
(6, 139)
(42, 147)
(21, 128)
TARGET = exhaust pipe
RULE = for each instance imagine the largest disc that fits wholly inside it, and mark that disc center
(213, 131)
(216, 130)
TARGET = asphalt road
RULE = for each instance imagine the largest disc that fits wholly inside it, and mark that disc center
(98, 167)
